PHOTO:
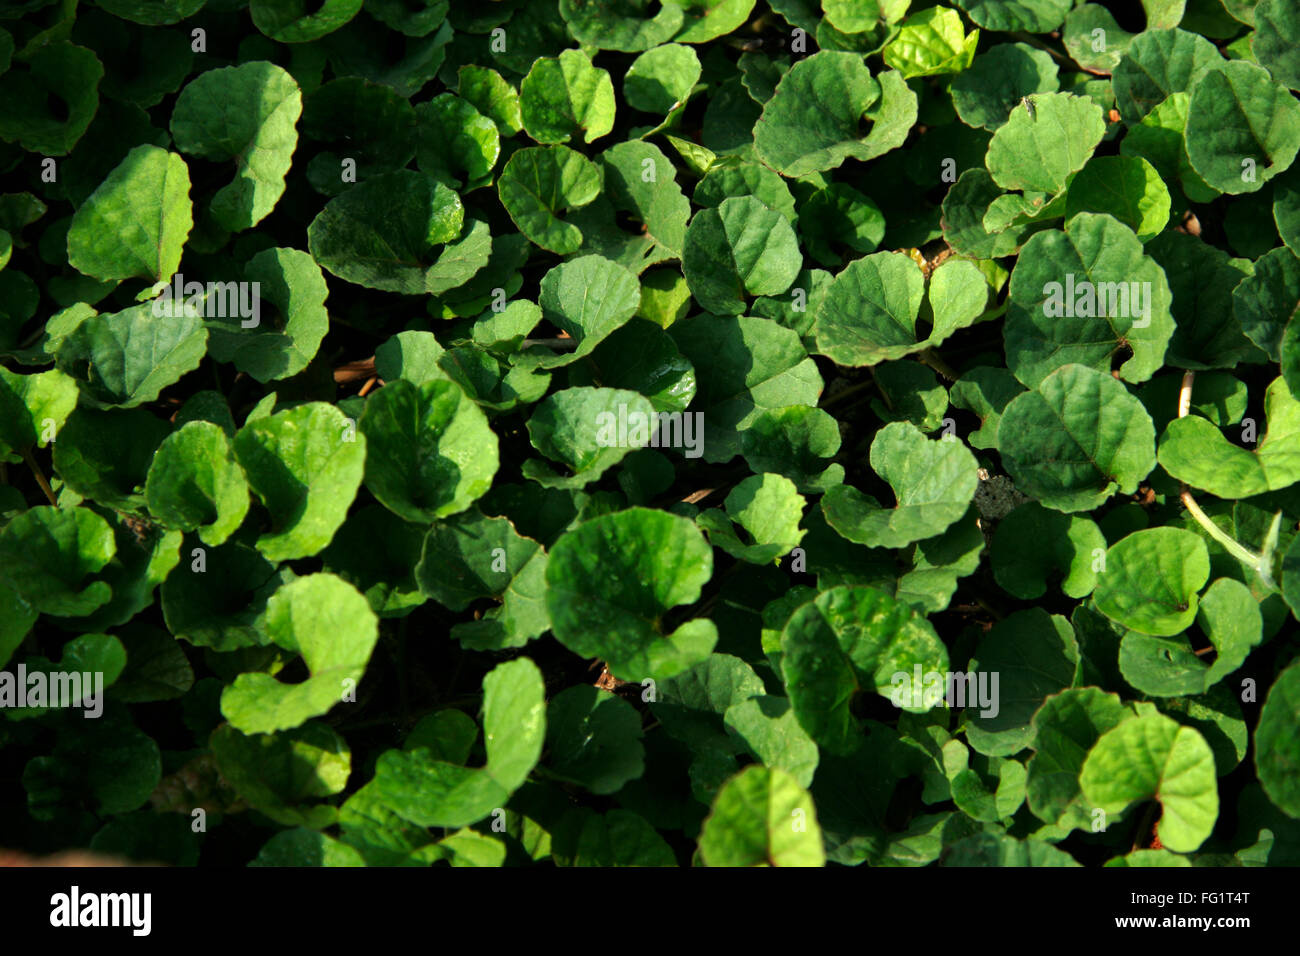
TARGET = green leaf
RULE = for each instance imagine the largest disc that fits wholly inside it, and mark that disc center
(812, 121)
(641, 357)
(797, 441)
(1157, 64)
(136, 223)
(1151, 580)
(624, 25)
(1065, 728)
(385, 576)
(15, 622)
(869, 312)
(840, 216)
(217, 599)
(1167, 667)
(931, 42)
(1207, 333)
(89, 654)
(661, 79)
(194, 483)
(1277, 744)
(746, 179)
(106, 455)
(288, 21)
(279, 774)
(933, 481)
(431, 792)
(458, 145)
(741, 248)
(32, 409)
(47, 553)
(996, 81)
(768, 508)
(109, 765)
(992, 789)
(1076, 439)
(1032, 543)
(566, 95)
(47, 103)
(1242, 128)
(430, 451)
(743, 366)
(986, 391)
(1194, 451)
(1153, 757)
(1040, 152)
(292, 284)
(618, 838)
(1158, 138)
(539, 183)
(771, 732)
(633, 187)
(567, 301)
(990, 849)
(305, 464)
(491, 95)
(708, 19)
(1034, 655)
(126, 358)
(611, 579)
(1030, 16)
(762, 817)
(850, 639)
(1127, 188)
(245, 114)
(304, 847)
(158, 669)
(384, 233)
(1276, 41)
(329, 623)
(594, 739)
(589, 431)
(1265, 302)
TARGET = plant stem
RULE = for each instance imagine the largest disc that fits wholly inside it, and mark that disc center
(1185, 394)
(564, 344)
(40, 476)
(1230, 544)
(933, 359)
(1218, 534)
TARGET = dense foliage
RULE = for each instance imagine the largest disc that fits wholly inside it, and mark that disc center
(701, 432)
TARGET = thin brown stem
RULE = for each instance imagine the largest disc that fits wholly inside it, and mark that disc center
(933, 359)
(40, 476)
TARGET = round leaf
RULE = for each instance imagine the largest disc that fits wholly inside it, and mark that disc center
(850, 639)
(1076, 439)
(194, 483)
(762, 817)
(330, 624)
(1154, 757)
(430, 451)
(611, 579)
(1151, 580)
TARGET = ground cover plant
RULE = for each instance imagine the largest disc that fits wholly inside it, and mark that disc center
(700, 432)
